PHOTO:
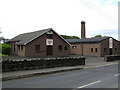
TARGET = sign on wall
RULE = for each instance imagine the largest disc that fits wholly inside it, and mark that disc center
(49, 41)
(110, 43)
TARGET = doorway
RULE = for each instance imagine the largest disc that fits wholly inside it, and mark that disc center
(110, 51)
(49, 50)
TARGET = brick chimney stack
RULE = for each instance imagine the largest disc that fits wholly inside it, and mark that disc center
(83, 29)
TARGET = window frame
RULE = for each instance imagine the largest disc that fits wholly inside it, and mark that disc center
(65, 48)
(60, 48)
(18, 47)
(92, 50)
(21, 47)
(104, 50)
(49, 36)
(37, 48)
(14, 48)
(96, 50)
(115, 49)
(74, 47)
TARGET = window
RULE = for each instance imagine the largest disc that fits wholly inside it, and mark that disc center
(91, 49)
(14, 47)
(74, 46)
(95, 49)
(104, 50)
(49, 36)
(18, 48)
(60, 48)
(37, 47)
(21, 48)
(65, 48)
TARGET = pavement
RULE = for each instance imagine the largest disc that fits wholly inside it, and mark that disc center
(91, 62)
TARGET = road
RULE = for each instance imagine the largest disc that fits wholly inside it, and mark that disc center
(101, 77)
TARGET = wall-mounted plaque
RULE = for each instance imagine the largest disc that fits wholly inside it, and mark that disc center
(49, 41)
(110, 43)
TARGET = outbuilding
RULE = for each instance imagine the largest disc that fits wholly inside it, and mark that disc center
(93, 46)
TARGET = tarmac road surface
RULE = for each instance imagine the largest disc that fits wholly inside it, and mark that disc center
(100, 77)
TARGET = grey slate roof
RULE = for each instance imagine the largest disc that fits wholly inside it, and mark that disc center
(25, 38)
(86, 40)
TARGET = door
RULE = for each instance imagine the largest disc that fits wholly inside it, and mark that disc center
(110, 51)
(49, 50)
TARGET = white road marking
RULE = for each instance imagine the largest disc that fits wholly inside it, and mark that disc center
(99, 66)
(89, 84)
(117, 75)
(106, 65)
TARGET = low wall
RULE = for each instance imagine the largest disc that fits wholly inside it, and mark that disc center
(39, 63)
(109, 58)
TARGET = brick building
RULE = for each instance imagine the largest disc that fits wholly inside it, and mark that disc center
(93, 46)
(39, 43)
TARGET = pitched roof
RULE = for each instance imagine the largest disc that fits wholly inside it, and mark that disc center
(25, 38)
(86, 40)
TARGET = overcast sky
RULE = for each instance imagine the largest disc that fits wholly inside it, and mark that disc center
(64, 16)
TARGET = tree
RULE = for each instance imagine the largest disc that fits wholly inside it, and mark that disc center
(3, 40)
(5, 48)
(70, 37)
(98, 36)
(105, 36)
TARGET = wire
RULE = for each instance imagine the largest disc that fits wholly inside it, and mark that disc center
(101, 12)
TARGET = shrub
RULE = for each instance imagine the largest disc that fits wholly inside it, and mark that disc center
(3, 55)
(5, 48)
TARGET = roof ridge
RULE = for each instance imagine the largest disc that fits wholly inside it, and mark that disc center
(86, 40)
(90, 38)
(27, 35)
(35, 31)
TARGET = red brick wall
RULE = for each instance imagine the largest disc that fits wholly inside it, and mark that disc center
(105, 44)
(30, 47)
(58, 41)
(118, 48)
(115, 45)
(86, 47)
(77, 50)
(12, 44)
(21, 52)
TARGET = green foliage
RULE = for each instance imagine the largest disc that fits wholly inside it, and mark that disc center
(105, 36)
(5, 48)
(70, 37)
(98, 36)
(3, 55)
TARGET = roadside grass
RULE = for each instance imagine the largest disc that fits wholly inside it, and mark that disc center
(3, 55)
